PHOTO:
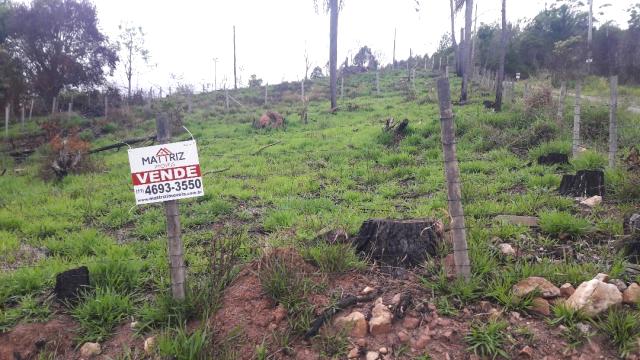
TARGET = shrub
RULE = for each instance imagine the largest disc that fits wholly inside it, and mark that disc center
(538, 101)
(623, 185)
(560, 222)
(179, 344)
(488, 340)
(334, 258)
(623, 328)
(589, 160)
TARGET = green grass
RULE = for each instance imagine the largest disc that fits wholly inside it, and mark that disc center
(622, 326)
(560, 222)
(100, 313)
(179, 344)
(488, 339)
(335, 258)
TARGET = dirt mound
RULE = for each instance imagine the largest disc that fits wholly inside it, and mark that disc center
(270, 119)
(26, 341)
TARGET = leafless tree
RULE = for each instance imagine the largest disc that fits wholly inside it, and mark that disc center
(132, 43)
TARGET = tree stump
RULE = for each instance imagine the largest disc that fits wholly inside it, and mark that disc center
(584, 183)
(553, 159)
(630, 242)
(69, 283)
(399, 242)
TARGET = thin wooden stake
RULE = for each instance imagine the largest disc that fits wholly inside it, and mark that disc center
(452, 172)
(576, 120)
(613, 121)
(176, 261)
(31, 109)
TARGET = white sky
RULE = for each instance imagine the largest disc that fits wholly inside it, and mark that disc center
(184, 36)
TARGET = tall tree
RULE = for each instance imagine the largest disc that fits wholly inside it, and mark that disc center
(59, 43)
(333, 8)
(503, 54)
(132, 43)
(466, 51)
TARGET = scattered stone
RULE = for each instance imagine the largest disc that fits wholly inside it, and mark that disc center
(447, 334)
(421, 342)
(362, 342)
(356, 321)
(372, 355)
(383, 350)
(585, 329)
(396, 299)
(381, 317)
(566, 290)
(533, 283)
(514, 317)
(70, 283)
(133, 325)
(602, 277)
(353, 353)
(368, 290)
(89, 350)
(410, 322)
(150, 345)
(619, 284)
(403, 336)
(530, 221)
(507, 249)
(631, 295)
(592, 201)
(594, 297)
(541, 306)
(526, 352)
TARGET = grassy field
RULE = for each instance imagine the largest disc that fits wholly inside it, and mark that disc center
(332, 173)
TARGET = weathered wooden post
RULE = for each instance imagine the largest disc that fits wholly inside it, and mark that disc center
(176, 261)
(226, 98)
(525, 92)
(561, 103)
(302, 90)
(452, 173)
(22, 110)
(378, 82)
(342, 88)
(7, 108)
(613, 121)
(31, 109)
(576, 120)
(266, 93)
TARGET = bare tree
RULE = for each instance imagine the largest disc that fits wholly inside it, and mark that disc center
(466, 63)
(132, 43)
(235, 77)
(503, 52)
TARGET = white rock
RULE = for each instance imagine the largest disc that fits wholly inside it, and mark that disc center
(89, 350)
(507, 249)
(372, 355)
(134, 325)
(594, 296)
(592, 201)
(355, 321)
(535, 283)
(150, 345)
(602, 277)
(380, 322)
(367, 290)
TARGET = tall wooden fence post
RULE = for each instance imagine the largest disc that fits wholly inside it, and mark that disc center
(22, 115)
(613, 121)
(342, 88)
(561, 103)
(452, 173)
(31, 109)
(266, 94)
(176, 261)
(576, 120)
(7, 108)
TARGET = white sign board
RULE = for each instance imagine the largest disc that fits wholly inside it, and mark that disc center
(165, 172)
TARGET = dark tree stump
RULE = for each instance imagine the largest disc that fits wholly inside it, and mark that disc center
(630, 242)
(584, 183)
(553, 159)
(69, 283)
(399, 242)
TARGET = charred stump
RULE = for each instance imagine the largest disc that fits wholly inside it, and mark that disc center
(584, 183)
(399, 242)
(70, 283)
(553, 159)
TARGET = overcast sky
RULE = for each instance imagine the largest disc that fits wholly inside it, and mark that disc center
(184, 36)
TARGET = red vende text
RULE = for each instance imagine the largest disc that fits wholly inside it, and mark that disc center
(156, 176)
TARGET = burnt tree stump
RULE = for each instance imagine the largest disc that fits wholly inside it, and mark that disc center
(584, 183)
(70, 283)
(553, 159)
(399, 242)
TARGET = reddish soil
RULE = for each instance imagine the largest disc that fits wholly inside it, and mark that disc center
(26, 341)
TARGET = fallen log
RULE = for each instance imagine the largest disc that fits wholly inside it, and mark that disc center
(120, 144)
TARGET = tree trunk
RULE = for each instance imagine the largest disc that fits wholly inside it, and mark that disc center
(466, 70)
(333, 51)
(503, 54)
(452, 173)
(561, 103)
(459, 54)
(235, 76)
(613, 121)
(453, 26)
(394, 48)
(576, 119)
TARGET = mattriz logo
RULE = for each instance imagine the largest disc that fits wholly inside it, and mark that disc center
(163, 155)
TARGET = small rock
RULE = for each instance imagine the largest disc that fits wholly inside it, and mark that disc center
(133, 325)
(279, 313)
(368, 290)
(541, 306)
(631, 295)
(443, 322)
(533, 283)
(594, 296)
(507, 249)
(381, 317)
(356, 321)
(403, 336)
(602, 277)
(353, 353)
(410, 322)
(383, 350)
(273, 326)
(619, 284)
(362, 342)
(592, 201)
(447, 334)
(526, 352)
(485, 306)
(396, 299)
(421, 342)
(372, 355)
(566, 290)
(514, 317)
(89, 350)
(585, 329)
(150, 345)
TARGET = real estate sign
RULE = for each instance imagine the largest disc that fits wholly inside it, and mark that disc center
(165, 172)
